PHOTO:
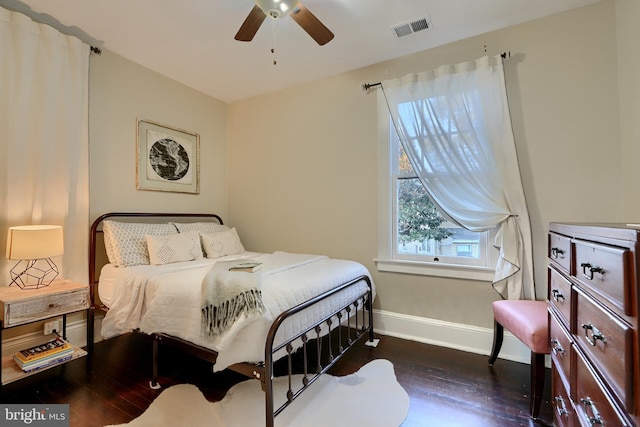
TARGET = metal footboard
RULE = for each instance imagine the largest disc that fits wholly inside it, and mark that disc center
(357, 325)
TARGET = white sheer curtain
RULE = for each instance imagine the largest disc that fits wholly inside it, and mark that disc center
(455, 126)
(44, 136)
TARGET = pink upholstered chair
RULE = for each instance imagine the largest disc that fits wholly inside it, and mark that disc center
(529, 322)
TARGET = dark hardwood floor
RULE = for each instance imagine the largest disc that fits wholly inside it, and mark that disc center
(446, 387)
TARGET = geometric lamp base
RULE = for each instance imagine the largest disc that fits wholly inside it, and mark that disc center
(34, 273)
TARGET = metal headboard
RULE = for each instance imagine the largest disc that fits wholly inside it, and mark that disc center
(96, 230)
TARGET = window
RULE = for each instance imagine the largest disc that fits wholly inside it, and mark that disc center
(455, 124)
(417, 238)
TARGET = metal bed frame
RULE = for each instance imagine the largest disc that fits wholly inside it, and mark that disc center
(344, 327)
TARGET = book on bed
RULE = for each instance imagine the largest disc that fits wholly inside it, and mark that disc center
(249, 267)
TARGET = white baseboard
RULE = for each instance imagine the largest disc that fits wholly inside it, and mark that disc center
(76, 335)
(458, 336)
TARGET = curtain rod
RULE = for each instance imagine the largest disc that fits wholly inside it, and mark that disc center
(43, 18)
(367, 86)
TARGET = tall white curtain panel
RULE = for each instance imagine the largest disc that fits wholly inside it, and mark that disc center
(455, 127)
(44, 143)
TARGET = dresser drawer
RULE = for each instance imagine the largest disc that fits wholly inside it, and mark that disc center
(560, 346)
(563, 412)
(594, 313)
(34, 306)
(608, 342)
(607, 270)
(593, 404)
(559, 250)
(560, 294)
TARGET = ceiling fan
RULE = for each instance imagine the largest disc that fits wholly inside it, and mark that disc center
(277, 9)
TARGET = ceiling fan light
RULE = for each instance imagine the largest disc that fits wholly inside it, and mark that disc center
(277, 8)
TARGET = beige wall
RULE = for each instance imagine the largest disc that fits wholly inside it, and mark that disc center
(120, 93)
(302, 162)
(628, 32)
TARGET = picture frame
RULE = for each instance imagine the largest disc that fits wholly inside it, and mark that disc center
(167, 158)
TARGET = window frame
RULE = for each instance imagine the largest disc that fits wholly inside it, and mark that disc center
(389, 260)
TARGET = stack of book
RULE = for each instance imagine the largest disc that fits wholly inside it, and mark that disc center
(44, 355)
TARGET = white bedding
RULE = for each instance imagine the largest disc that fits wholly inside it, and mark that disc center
(167, 299)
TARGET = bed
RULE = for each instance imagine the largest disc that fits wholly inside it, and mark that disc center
(171, 276)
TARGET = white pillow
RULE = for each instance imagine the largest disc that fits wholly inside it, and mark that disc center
(222, 243)
(202, 227)
(125, 241)
(172, 248)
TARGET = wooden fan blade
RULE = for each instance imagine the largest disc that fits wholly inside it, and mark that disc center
(251, 25)
(312, 25)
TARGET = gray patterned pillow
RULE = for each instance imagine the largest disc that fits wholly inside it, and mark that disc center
(125, 241)
(170, 248)
(202, 227)
(223, 243)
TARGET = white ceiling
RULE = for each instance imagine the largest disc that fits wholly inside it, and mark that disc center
(191, 41)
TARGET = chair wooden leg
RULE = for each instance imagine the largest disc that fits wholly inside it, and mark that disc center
(537, 382)
(498, 334)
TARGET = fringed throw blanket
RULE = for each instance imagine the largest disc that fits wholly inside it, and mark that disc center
(228, 296)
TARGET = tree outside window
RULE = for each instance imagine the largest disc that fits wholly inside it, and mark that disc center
(421, 231)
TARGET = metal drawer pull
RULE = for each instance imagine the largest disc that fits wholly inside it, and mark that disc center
(557, 295)
(556, 348)
(595, 334)
(561, 408)
(595, 419)
(592, 269)
(556, 252)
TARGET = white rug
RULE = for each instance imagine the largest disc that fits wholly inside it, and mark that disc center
(370, 397)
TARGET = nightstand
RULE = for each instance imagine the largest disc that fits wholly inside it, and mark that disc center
(20, 307)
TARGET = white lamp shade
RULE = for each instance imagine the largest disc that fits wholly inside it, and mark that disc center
(34, 242)
(277, 8)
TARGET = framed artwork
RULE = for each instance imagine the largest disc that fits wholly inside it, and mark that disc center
(168, 159)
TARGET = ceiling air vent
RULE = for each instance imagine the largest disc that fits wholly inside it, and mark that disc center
(410, 27)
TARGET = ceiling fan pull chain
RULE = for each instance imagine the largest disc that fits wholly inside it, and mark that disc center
(273, 40)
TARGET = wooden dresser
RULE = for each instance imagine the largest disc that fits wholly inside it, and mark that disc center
(593, 324)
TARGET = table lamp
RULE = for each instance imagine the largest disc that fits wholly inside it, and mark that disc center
(33, 246)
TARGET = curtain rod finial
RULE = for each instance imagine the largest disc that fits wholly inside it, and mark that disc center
(367, 86)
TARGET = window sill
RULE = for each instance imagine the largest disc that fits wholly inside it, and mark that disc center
(439, 270)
